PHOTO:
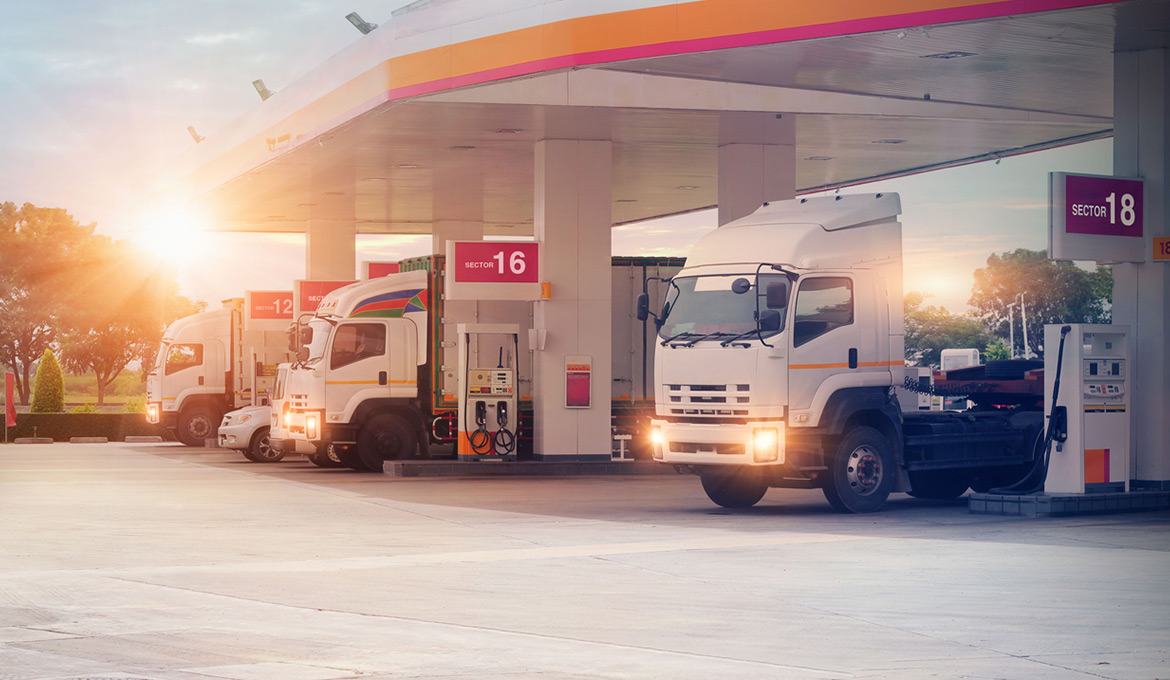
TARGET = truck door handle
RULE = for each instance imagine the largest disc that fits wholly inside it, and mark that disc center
(381, 377)
(852, 357)
(200, 380)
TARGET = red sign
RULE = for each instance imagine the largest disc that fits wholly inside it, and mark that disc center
(495, 262)
(270, 304)
(376, 270)
(10, 400)
(311, 292)
(1104, 206)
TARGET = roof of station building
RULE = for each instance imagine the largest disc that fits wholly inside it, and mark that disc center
(435, 113)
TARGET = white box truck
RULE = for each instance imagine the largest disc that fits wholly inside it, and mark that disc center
(207, 365)
(377, 376)
(780, 351)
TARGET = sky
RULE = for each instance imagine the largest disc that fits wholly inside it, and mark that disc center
(97, 95)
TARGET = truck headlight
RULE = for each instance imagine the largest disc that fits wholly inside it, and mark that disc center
(657, 443)
(766, 444)
(152, 411)
(312, 426)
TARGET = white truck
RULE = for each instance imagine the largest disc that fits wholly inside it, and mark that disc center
(376, 377)
(207, 365)
(781, 350)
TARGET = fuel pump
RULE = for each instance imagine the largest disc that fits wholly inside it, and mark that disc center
(488, 415)
(1091, 454)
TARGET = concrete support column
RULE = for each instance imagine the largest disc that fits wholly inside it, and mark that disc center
(757, 162)
(573, 222)
(1141, 292)
(331, 239)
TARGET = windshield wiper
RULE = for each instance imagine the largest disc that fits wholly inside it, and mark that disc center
(676, 336)
(738, 336)
(708, 336)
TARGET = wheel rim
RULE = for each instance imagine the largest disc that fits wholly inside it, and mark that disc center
(199, 427)
(864, 470)
(264, 448)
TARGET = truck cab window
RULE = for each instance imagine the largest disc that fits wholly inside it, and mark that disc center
(356, 341)
(708, 305)
(180, 357)
(822, 304)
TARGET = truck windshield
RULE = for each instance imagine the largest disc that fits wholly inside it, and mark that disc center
(706, 306)
(321, 330)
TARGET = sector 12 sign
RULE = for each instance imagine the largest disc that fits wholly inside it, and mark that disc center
(493, 270)
(1094, 217)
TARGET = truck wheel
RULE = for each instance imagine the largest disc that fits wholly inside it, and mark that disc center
(385, 437)
(261, 451)
(939, 484)
(861, 471)
(197, 425)
(734, 488)
(324, 460)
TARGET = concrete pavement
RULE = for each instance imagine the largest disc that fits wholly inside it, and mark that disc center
(163, 562)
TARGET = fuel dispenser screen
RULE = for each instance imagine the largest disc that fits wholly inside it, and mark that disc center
(488, 381)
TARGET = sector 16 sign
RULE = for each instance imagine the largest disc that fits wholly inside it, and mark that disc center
(495, 262)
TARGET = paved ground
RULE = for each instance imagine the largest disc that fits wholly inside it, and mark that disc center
(161, 562)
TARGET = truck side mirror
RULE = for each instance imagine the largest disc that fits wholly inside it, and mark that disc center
(769, 321)
(303, 354)
(643, 312)
(777, 294)
(741, 286)
(306, 336)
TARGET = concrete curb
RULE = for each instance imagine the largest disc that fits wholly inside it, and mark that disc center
(524, 468)
(89, 440)
(33, 440)
(144, 439)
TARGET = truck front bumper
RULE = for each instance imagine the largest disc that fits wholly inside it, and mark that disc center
(753, 443)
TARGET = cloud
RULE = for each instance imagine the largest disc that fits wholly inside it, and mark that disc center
(221, 38)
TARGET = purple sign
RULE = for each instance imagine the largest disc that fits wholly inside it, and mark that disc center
(1103, 206)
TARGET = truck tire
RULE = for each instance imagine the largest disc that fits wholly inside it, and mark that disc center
(260, 452)
(734, 488)
(324, 460)
(939, 484)
(861, 471)
(197, 424)
(385, 437)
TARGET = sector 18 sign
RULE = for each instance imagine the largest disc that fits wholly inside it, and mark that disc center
(1093, 217)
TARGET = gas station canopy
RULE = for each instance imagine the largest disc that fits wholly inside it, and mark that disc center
(443, 104)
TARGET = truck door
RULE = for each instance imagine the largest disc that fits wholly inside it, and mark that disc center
(824, 351)
(357, 366)
(183, 372)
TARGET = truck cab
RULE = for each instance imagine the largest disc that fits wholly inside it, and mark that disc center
(781, 339)
(185, 388)
(354, 387)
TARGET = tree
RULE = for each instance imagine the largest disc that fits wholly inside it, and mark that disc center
(997, 350)
(49, 393)
(121, 313)
(37, 249)
(930, 330)
(1054, 292)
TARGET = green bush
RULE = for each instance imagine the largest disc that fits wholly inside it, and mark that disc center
(134, 405)
(85, 408)
(63, 426)
(49, 386)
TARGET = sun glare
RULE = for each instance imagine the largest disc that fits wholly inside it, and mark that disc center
(173, 237)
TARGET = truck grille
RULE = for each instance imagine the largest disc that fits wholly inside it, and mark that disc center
(298, 401)
(709, 400)
(699, 447)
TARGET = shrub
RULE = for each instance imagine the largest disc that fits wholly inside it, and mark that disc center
(49, 387)
(62, 426)
(85, 408)
(134, 405)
